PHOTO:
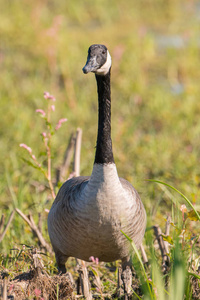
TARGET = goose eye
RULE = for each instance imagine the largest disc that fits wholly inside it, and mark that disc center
(103, 52)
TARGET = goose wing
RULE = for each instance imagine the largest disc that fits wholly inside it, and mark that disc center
(69, 187)
(136, 220)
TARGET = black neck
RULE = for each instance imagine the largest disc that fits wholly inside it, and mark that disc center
(104, 152)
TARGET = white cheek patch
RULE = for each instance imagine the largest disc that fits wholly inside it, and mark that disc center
(106, 67)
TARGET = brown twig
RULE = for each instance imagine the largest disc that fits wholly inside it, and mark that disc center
(84, 283)
(4, 289)
(29, 220)
(165, 257)
(158, 234)
(119, 282)
(144, 256)
(62, 171)
(7, 225)
(38, 262)
(77, 152)
(167, 229)
(2, 221)
(40, 221)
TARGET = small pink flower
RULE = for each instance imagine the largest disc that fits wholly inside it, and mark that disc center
(183, 208)
(92, 258)
(96, 261)
(60, 123)
(41, 111)
(47, 95)
(53, 107)
(51, 97)
(26, 147)
(44, 134)
(37, 292)
(11, 288)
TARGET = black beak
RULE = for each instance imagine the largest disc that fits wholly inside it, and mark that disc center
(91, 65)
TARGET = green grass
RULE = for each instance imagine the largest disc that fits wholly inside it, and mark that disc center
(175, 283)
(155, 101)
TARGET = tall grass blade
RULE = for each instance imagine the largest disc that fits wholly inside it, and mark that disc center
(136, 295)
(178, 276)
(157, 281)
(141, 264)
(194, 275)
(183, 196)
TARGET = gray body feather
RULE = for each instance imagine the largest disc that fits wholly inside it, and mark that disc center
(89, 213)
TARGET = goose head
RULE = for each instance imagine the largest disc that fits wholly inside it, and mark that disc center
(98, 60)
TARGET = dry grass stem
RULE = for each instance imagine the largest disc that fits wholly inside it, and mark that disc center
(77, 152)
(167, 229)
(29, 220)
(2, 221)
(62, 171)
(7, 225)
(4, 289)
(144, 256)
(83, 282)
(165, 257)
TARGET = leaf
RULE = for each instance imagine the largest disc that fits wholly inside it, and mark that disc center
(178, 230)
(128, 238)
(195, 275)
(192, 215)
(42, 153)
(28, 162)
(93, 271)
(168, 239)
(34, 166)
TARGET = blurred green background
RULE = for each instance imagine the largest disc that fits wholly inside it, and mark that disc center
(154, 46)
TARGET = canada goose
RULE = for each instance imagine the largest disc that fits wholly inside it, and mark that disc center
(89, 213)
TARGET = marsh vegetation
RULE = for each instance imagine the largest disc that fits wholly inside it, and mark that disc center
(155, 47)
